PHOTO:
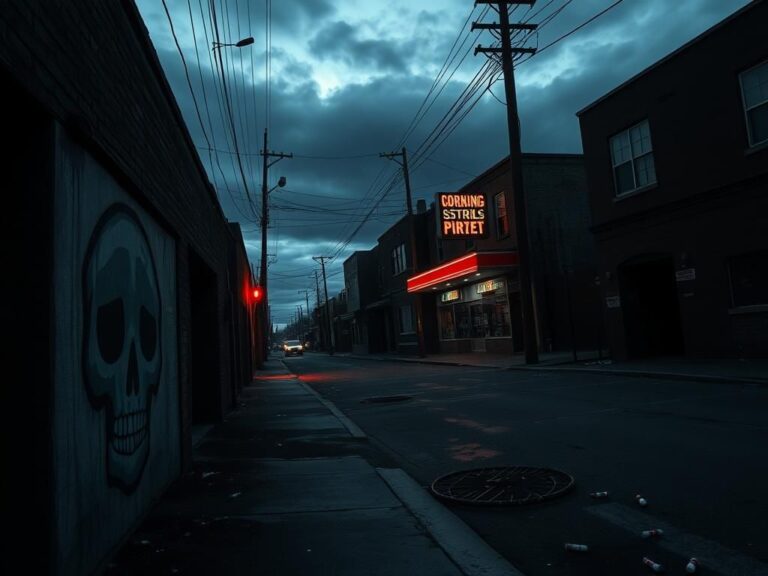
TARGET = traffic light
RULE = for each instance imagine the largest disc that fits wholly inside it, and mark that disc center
(257, 294)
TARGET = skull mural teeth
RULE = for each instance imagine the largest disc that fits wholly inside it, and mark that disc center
(122, 344)
(128, 432)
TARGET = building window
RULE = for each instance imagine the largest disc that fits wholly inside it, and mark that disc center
(406, 320)
(754, 91)
(502, 223)
(398, 260)
(632, 158)
(749, 279)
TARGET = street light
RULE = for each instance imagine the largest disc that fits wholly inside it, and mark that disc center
(239, 44)
(280, 184)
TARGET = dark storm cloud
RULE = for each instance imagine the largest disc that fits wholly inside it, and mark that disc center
(325, 200)
(339, 41)
(292, 16)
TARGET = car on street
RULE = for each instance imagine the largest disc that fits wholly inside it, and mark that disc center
(293, 347)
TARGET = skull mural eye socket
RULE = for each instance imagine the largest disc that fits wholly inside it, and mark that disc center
(110, 330)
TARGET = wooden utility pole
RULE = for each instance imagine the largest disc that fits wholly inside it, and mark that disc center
(309, 316)
(413, 249)
(322, 260)
(264, 225)
(317, 308)
(515, 160)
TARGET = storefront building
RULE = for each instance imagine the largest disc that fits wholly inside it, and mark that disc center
(472, 295)
(472, 284)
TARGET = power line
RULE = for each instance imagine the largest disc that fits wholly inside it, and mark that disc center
(580, 26)
(228, 101)
(247, 217)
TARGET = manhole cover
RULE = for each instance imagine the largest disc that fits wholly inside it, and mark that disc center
(503, 486)
(385, 399)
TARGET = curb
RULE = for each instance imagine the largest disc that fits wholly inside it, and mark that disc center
(564, 368)
(472, 554)
(353, 429)
(647, 374)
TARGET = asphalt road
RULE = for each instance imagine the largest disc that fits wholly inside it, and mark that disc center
(696, 451)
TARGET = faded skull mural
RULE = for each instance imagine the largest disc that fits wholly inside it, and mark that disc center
(122, 351)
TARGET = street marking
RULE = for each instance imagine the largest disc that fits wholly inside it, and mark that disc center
(710, 554)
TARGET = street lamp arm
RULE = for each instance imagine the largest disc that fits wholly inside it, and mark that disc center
(239, 44)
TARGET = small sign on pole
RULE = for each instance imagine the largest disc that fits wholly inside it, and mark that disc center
(685, 274)
(613, 301)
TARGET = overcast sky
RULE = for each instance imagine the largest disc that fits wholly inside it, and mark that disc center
(347, 81)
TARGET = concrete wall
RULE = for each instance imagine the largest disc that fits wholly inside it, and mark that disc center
(121, 148)
(116, 430)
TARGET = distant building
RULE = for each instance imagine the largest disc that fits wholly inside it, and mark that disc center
(677, 165)
(361, 284)
(391, 318)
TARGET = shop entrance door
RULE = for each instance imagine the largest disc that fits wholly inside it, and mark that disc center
(479, 317)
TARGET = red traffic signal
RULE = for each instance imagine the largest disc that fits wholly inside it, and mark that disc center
(257, 294)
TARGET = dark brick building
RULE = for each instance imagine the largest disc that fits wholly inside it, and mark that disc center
(470, 289)
(129, 321)
(392, 317)
(677, 164)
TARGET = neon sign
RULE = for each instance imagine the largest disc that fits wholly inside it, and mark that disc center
(462, 215)
(489, 286)
(450, 296)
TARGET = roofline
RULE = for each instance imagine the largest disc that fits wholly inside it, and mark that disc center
(150, 52)
(671, 55)
(526, 155)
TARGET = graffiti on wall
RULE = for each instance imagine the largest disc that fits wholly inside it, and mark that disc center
(122, 353)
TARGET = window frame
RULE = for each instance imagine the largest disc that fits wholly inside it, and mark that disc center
(499, 235)
(746, 110)
(632, 160)
(399, 260)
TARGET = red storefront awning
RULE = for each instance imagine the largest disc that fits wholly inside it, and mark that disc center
(474, 266)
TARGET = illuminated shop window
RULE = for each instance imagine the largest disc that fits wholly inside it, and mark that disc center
(447, 324)
(486, 316)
